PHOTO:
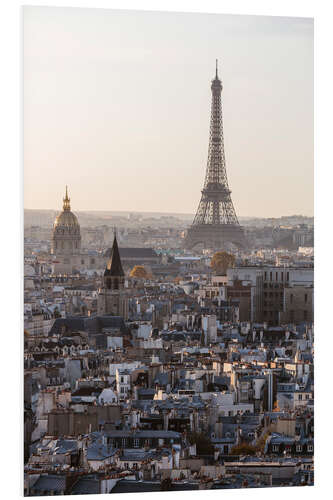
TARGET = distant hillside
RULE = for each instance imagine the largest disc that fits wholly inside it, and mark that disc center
(45, 218)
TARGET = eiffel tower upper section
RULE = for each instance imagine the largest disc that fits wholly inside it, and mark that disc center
(216, 220)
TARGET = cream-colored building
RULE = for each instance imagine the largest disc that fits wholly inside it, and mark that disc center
(66, 240)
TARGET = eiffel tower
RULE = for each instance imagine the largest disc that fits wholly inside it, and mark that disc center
(215, 224)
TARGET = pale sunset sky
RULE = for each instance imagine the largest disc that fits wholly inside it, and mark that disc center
(117, 106)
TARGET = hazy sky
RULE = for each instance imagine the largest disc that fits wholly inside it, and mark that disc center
(117, 106)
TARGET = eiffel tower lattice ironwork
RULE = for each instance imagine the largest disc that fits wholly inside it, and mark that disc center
(215, 222)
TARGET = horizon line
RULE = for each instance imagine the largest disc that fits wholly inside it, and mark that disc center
(163, 212)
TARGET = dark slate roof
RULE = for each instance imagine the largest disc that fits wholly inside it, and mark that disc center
(146, 392)
(133, 253)
(90, 324)
(162, 378)
(114, 267)
(127, 486)
(65, 446)
(86, 485)
(50, 482)
(224, 380)
(97, 451)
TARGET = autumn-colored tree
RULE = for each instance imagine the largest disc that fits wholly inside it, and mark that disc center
(243, 449)
(260, 446)
(139, 272)
(221, 261)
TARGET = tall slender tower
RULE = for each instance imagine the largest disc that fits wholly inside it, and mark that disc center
(215, 223)
(112, 296)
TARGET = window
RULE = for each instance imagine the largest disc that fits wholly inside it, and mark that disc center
(270, 276)
(282, 276)
(276, 276)
(287, 276)
(306, 298)
(300, 397)
(265, 275)
(299, 448)
(291, 298)
(136, 443)
(305, 315)
(275, 447)
(310, 447)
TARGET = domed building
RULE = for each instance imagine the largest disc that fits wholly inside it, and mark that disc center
(66, 239)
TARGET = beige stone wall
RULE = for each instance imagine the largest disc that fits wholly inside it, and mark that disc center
(284, 426)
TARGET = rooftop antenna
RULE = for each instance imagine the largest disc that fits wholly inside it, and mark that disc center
(216, 67)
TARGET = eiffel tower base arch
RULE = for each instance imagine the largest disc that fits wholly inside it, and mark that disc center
(216, 237)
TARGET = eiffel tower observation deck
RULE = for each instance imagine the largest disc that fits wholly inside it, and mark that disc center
(215, 224)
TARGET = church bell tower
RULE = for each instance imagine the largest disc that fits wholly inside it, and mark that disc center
(112, 296)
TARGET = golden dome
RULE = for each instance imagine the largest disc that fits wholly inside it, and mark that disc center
(66, 219)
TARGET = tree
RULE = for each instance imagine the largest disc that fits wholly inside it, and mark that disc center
(221, 261)
(166, 484)
(243, 449)
(56, 313)
(204, 444)
(260, 446)
(139, 272)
